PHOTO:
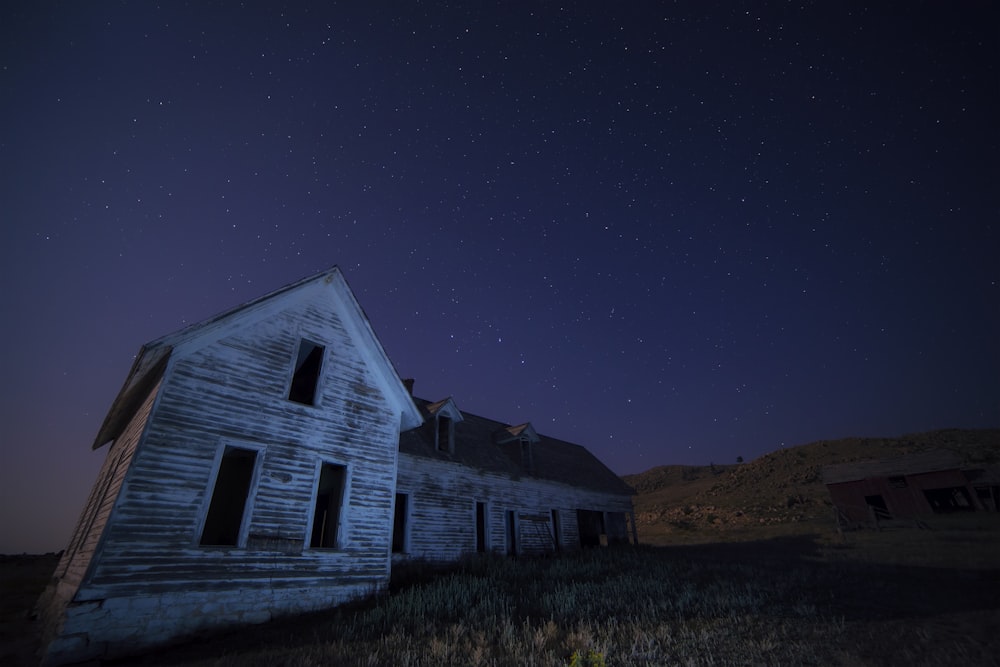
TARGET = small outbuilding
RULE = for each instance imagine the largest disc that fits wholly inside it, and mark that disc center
(909, 486)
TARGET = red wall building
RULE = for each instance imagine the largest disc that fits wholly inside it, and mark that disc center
(908, 486)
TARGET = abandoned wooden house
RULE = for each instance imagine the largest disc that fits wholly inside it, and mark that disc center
(270, 461)
(910, 486)
(528, 493)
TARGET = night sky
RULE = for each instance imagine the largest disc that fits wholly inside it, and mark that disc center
(672, 233)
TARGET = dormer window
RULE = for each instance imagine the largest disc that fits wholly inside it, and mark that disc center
(519, 442)
(526, 460)
(445, 433)
(305, 379)
(445, 414)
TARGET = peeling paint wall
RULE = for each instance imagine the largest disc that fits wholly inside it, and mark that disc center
(150, 580)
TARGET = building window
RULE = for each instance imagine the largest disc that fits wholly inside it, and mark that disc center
(482, 541)
(224, 521)
(444, 433)
(329, 504)
(952, 499)
(526, 461)
(897, 482)
(512, 530)
(400, 524)
(556, 531)
(305, 379)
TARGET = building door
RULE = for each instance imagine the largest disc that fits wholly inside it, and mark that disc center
(481, 544)
(511, 533)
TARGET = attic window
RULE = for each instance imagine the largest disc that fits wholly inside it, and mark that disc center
(305, 380)
(444, 433)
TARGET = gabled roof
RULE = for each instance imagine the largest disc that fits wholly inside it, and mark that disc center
(477, 446)
(911, 464)
(520, 432)
(153, 357)
(446, 407)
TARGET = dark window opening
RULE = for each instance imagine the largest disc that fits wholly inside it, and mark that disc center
(953, 499)
(444, 433)
(229, 498)
(616, 527)
(329, 497)
(526, 454)
(897, 482)
(305, 380)
(555, 530)
(877, 506)
(399, 524)
(591, 526)
(481, 527)
(511, 533)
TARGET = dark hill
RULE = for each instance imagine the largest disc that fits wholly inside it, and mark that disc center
(778, 489)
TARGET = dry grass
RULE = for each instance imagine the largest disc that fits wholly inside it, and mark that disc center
(902, 596)
(750, 571)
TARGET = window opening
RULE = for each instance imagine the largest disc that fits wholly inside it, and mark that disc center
(444, 433)
(952, 499)
(526, 454)
(897, 482)
(555, 530)
(329, 497)
(305, 379)
(511, 533)
(481, 527)
(399, 524)
(229, 498)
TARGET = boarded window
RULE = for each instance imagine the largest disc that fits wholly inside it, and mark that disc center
(444, 433)
(399, 524)
(481, 542)
(229, 498)
(305, 379)
(329, 502)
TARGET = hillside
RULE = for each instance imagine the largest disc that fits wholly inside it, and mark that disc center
(777, 491)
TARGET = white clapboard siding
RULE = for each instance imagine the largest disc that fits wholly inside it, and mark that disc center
(136, 575)
(442, 498)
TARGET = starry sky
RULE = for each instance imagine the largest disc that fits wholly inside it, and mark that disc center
(671, 232)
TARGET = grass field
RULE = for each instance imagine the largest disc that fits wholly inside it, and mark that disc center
(901, 596)
(742, 566)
